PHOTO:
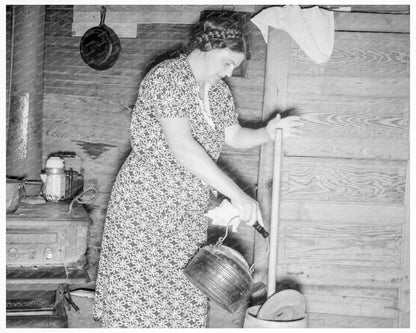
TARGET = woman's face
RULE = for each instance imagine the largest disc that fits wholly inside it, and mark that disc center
(219, 63)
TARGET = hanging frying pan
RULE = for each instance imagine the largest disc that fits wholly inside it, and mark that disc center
(100, 46)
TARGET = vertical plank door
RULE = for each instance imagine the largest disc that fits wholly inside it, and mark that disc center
(344, 227)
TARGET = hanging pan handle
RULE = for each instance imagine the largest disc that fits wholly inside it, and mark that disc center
(102, 12)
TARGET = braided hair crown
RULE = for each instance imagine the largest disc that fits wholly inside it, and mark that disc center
(218, 33)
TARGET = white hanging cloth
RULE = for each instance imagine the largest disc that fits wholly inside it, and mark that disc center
(311, 28)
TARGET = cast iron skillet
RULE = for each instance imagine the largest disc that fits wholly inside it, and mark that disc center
(100, 46)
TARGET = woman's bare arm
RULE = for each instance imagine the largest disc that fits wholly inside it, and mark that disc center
(245, 138)
(194, 158)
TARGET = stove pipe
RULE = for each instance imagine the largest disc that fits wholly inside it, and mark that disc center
(24, 128)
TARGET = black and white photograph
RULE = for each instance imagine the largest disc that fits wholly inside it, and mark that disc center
(195, 165)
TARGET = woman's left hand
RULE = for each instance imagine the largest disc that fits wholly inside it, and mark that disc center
(289, 125)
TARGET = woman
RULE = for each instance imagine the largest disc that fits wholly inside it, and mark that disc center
(155, 220)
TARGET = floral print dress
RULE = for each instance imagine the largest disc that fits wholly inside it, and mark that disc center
(155, 218)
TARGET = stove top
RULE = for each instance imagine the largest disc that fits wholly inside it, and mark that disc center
(46, 244)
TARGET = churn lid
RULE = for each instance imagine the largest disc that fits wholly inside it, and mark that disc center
(55, 162)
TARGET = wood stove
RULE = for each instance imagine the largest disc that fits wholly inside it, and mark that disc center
(46, 247)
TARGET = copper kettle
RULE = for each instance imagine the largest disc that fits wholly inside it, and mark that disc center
(223, 275)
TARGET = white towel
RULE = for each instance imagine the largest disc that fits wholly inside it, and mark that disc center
(312, 28)
(225, 214)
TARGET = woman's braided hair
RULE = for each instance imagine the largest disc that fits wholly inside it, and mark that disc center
(218, 33)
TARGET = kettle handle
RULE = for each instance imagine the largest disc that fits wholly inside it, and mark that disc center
(221, 239)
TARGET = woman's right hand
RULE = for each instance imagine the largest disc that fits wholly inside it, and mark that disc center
(248, 208)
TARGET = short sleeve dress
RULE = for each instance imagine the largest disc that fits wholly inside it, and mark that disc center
(155, 219)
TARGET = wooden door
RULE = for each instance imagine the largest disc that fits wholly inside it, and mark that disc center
(344, 228)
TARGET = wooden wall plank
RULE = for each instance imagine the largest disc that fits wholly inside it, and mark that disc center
(372, 22)
(340, 275)
(342, 212)
(388, 149)
(126, 94)
(162, 32)
(122, 30)
(348, 86)
(129, 45)
(343, 180)
(248, 100)
(149, 49)
(352, 116)
(81, 69)
(91, 88)
(86, 119)
(136, 62)
(363, 302)
(162, 8)
(404, 291)
(60, 7)
(119, 80)
(58, 21)
(242, 166)
(107, 107)
(323, 320)
(359, 54)
(388, 9)
(355, 243)
(160, 17)
(87, 132)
